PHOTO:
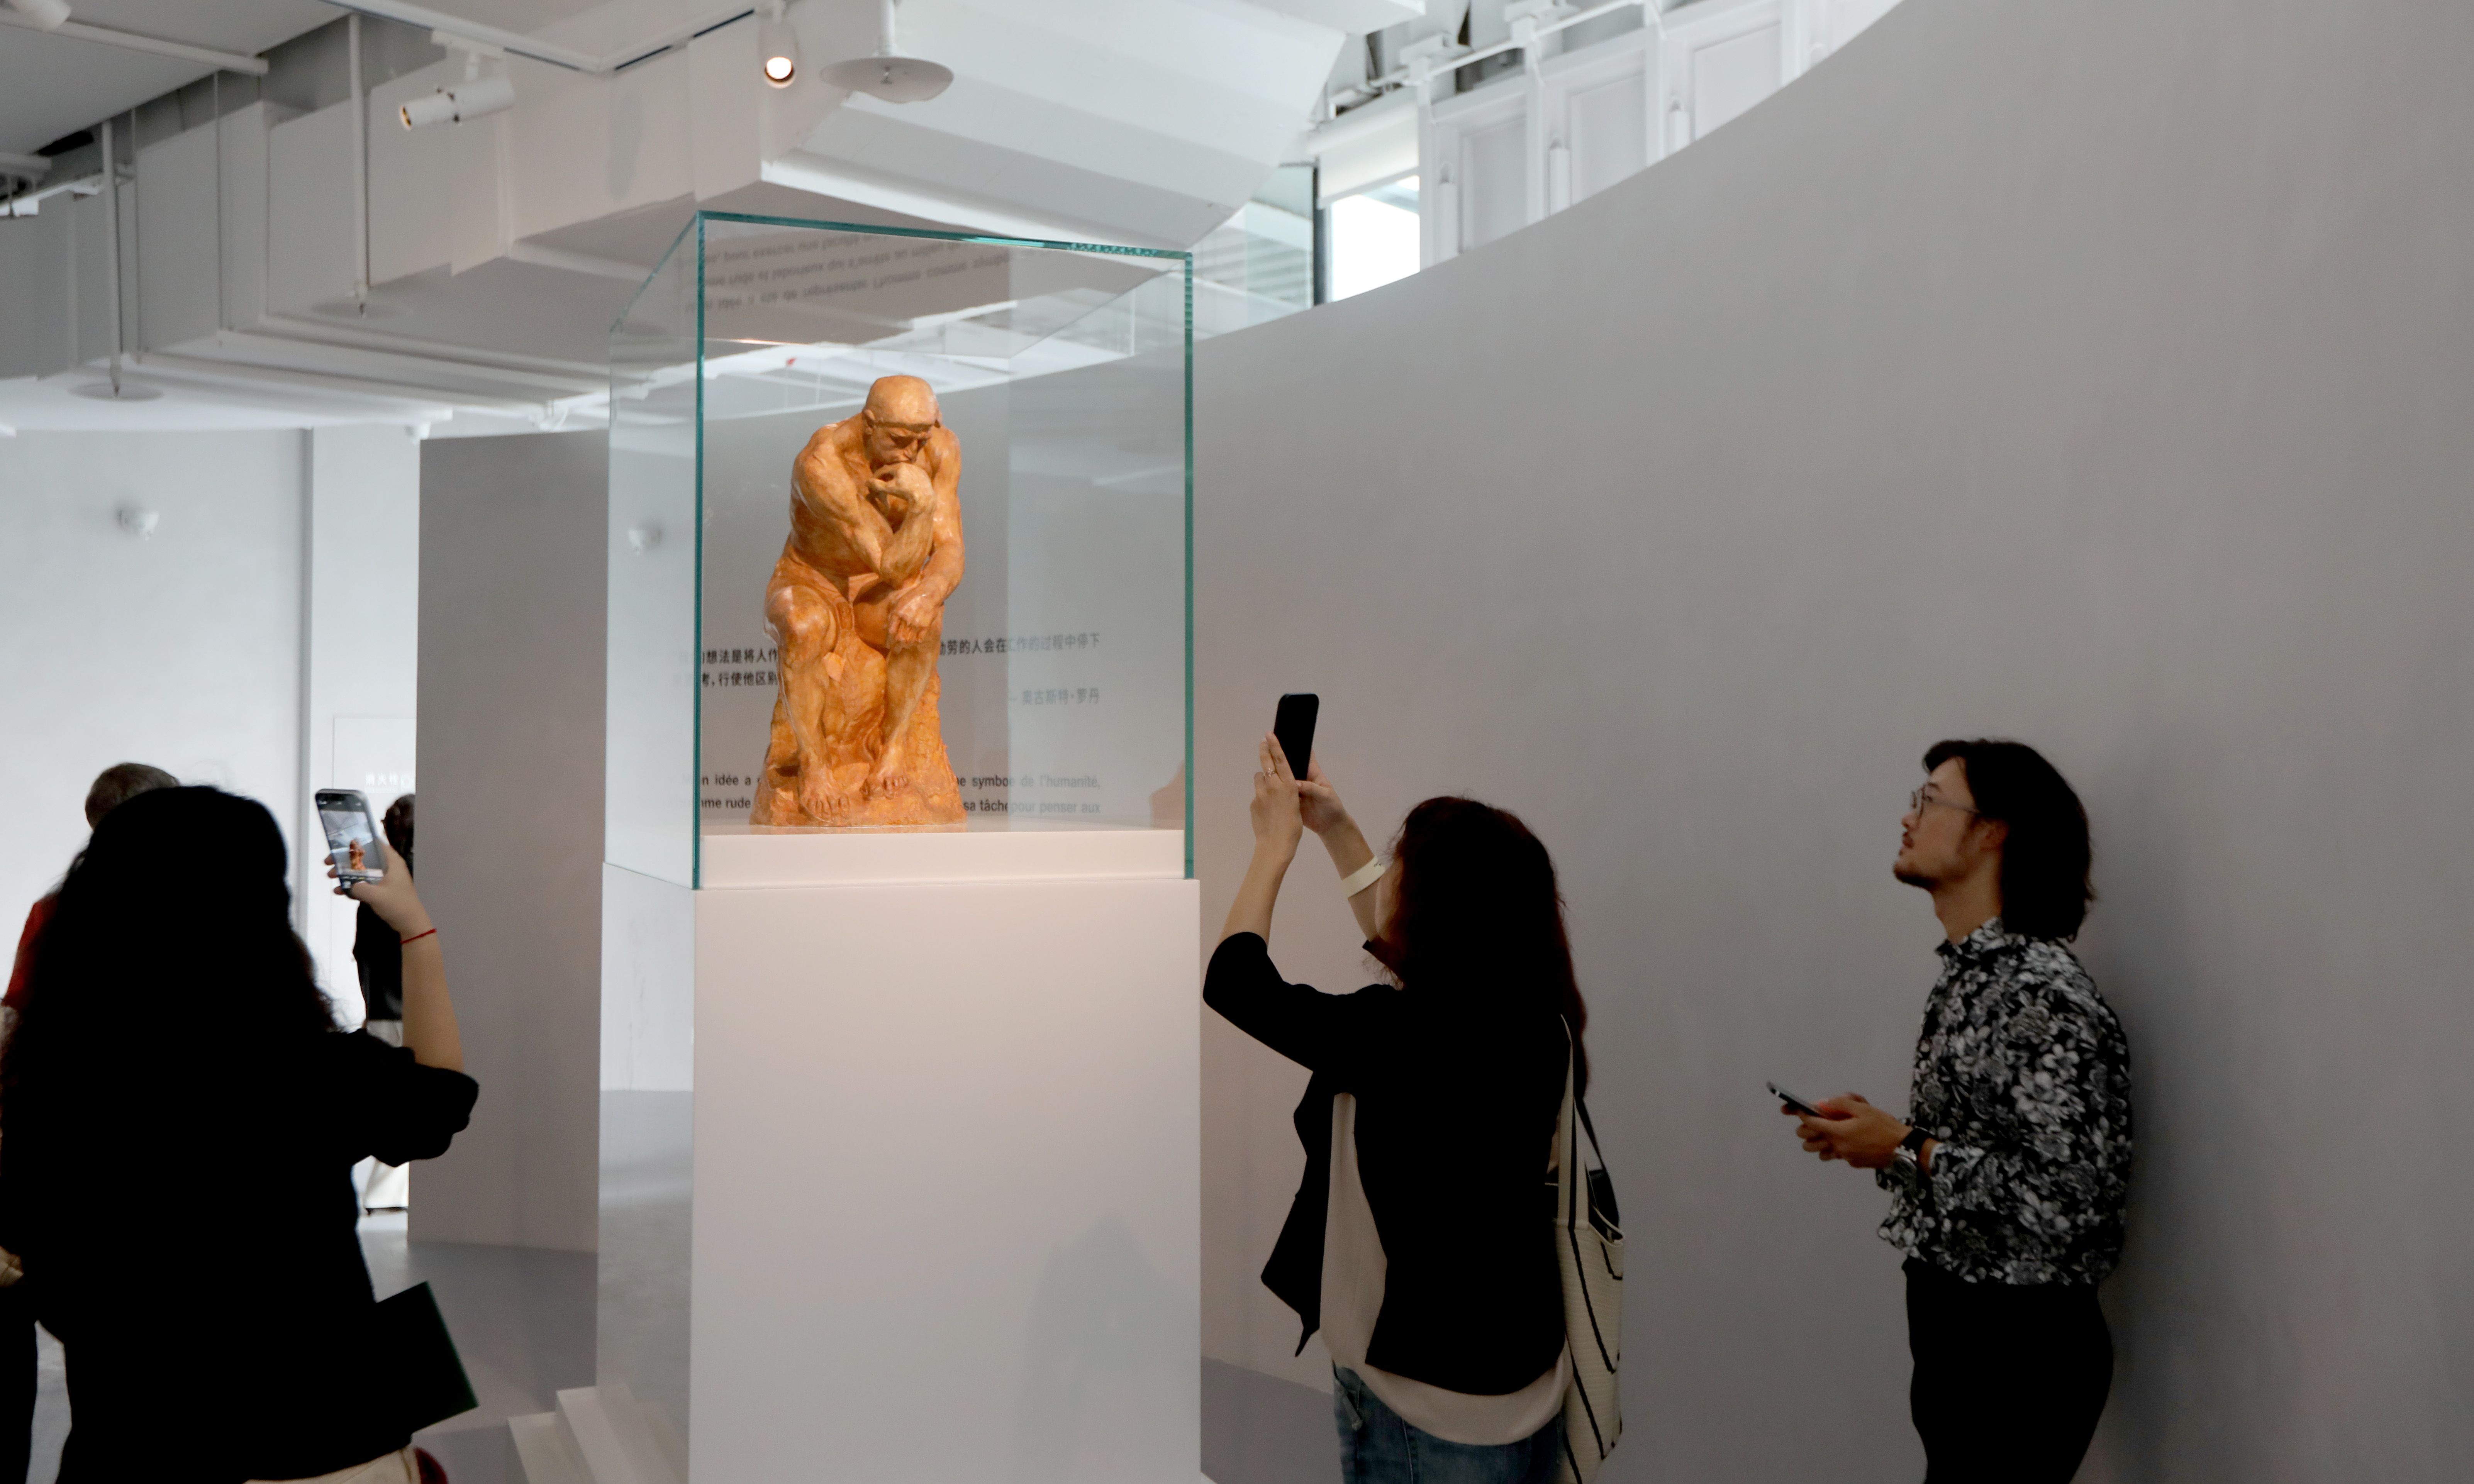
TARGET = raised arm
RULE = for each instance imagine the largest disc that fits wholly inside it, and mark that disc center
(1278, 828)
(1318, 802)
(933, 581)
(1324, 1032)
(824, 488)
(429, 1030)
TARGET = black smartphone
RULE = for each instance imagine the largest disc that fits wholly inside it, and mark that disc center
(351, 835)
(1797, 1103)
(1292, 728)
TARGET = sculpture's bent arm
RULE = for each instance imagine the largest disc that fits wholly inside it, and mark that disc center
(944, 572)
(913, 541)
(820, 479)
(921, 607)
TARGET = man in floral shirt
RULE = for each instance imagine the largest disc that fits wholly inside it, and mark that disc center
(2007, 1188)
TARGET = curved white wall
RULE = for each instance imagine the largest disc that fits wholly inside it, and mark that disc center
(2095, 377)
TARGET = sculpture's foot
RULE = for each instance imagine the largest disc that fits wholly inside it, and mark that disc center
(826, 802)
(891, 777)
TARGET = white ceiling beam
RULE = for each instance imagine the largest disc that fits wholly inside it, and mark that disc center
(955, 209)
(381, 357)
(78, 29)
(454, 27)
(1353, 17)
(433, 403)
(31, 204)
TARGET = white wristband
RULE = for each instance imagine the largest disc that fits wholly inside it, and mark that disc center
(1362, 877)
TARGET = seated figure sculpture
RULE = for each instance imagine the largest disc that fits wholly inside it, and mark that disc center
(857, 607)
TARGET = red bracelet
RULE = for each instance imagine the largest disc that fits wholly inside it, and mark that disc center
(415, 938)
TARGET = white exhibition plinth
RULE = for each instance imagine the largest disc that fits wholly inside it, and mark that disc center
(944, 1218)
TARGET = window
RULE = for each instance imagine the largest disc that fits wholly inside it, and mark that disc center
(1373, 237)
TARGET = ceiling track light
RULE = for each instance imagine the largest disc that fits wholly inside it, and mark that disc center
(777, 45)
(470, 99)
(888, 75)
(45, 14)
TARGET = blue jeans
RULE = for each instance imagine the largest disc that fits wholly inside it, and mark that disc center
(1377, 1448)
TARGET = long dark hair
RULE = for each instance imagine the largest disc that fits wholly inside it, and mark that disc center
(1478, 909)
(170, 958)
(2046, 854)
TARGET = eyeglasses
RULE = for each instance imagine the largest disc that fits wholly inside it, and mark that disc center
(1919, 800)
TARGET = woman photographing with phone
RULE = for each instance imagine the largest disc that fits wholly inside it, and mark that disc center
(228, 1339)
(1419, 1240)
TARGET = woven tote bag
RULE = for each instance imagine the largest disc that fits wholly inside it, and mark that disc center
(1589, 1249)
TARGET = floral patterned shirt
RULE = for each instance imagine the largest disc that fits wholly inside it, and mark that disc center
(2023, 1075)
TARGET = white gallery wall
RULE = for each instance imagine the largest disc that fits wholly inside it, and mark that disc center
(513, 614)
(180, 648)
(186, 647)
(358, 669)
(2091, 377)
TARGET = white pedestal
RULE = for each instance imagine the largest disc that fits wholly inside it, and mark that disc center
(943, 1209)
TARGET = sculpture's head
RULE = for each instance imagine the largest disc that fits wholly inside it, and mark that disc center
(900, 414)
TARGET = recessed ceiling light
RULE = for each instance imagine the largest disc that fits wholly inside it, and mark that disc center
(885, 75)
(46, 14)
(893, 79)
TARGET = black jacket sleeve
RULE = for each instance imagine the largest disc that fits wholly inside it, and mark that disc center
(384, 1103)
(1326, 1034)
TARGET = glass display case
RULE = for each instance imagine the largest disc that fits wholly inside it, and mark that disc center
(1057, 671)
(899, 560)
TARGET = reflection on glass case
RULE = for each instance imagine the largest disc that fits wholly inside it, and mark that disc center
(899, 539)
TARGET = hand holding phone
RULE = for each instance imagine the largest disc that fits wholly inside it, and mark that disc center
(353, 836)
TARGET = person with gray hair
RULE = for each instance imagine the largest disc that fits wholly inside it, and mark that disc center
(119, 783)
(111, 789)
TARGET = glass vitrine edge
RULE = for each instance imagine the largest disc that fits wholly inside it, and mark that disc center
(992, 239)
(1188, 769)
(695, 648)
(633, 299)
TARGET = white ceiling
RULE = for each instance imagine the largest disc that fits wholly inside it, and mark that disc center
(52, 86)
(1128, 119)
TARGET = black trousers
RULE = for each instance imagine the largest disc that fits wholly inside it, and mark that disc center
(17, 1379)
(2010, 1378)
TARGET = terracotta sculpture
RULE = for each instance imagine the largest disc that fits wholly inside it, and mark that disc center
(857, 606)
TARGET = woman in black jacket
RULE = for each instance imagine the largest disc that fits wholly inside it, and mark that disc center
(1421, 1242)
(172, 1014)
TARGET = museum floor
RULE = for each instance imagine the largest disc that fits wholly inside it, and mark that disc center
(522, 1316)
(523, 1320)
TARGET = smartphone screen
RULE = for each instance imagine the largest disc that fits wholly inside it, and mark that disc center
(351, 835)
(1294, 728)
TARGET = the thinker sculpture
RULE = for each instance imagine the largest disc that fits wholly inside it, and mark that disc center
(857, 606)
